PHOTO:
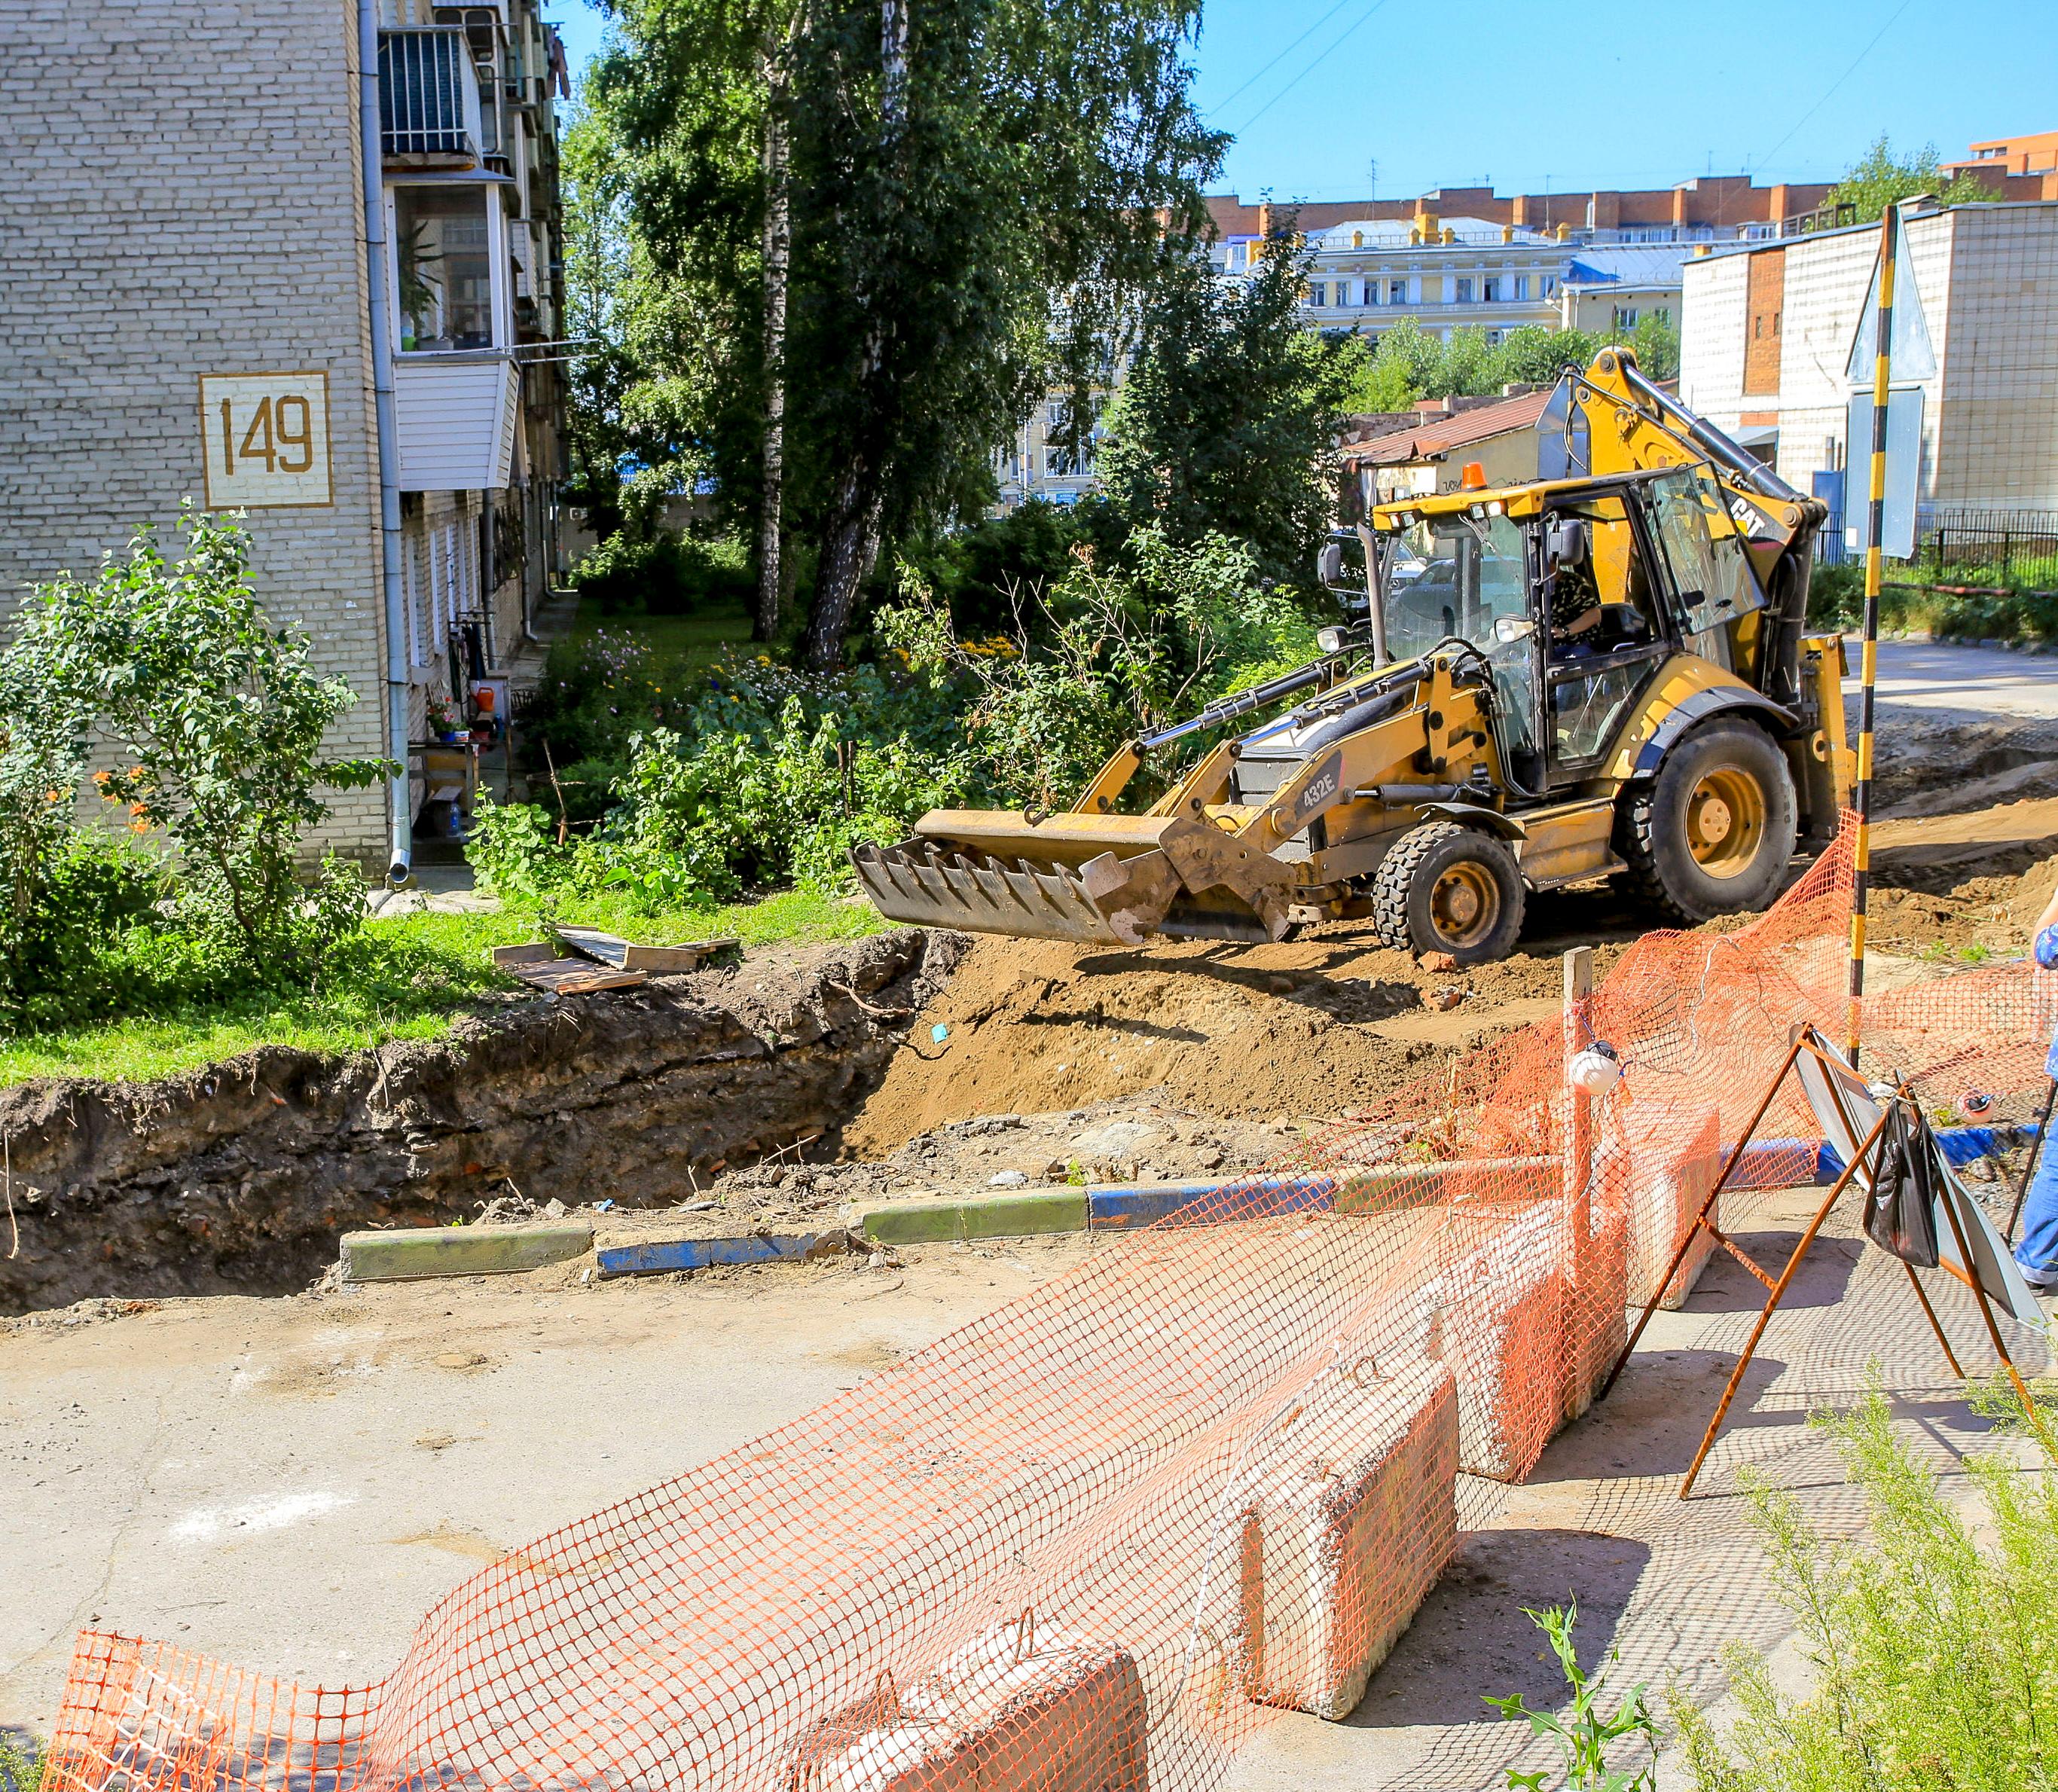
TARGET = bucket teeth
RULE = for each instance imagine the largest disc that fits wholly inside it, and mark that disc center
(1107, 901)
(1198, 883)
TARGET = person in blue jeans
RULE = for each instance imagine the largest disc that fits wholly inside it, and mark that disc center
(2037, 1250)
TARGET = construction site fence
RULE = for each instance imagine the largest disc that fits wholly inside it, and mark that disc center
(1090, 1542)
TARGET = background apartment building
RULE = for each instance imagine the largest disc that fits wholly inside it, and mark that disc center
(1770, 351)
(186, 310)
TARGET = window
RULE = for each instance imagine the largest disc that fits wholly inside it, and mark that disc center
(1053, 415)
(1398, 294)
(1547, 285)
(1464, 289)
(1490, 291)
(1522, 286)
(1320, 292)
(1662, 313)
(443, 264)
(1625, 317)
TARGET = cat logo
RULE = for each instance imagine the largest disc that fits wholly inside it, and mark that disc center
(1742, 514)
(1319, 791)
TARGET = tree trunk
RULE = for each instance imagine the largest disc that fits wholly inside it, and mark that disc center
(851, 544)
(848, 549)
(777, 254)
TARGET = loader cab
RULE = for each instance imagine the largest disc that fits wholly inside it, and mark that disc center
(1576, 593)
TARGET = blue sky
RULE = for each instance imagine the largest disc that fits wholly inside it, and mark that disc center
(1394, 97)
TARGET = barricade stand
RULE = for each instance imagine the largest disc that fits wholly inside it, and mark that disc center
(1808, 1039)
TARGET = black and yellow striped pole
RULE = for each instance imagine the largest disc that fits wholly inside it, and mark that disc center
(1882, 365)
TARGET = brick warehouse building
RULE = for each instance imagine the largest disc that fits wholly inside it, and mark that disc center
(185, 310)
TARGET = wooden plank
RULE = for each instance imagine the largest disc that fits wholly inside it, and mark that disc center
(539, 951)
(689, 957)
(572, 976)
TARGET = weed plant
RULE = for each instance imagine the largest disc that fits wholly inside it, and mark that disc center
(1932, 1643)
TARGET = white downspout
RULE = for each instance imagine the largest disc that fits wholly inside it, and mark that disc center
(378, 278)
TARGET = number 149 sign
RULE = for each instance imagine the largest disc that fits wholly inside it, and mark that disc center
(265, 437)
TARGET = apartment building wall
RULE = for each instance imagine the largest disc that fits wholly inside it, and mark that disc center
(1986, 277)
(183, 199)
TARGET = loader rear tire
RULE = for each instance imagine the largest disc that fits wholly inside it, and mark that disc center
(1713, 833)
(1446, 887)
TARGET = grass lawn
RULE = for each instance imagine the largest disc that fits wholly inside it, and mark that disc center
(694, 639)
(406, 978)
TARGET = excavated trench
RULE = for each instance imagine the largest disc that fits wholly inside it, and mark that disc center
(785, 1090)
(238, 1177)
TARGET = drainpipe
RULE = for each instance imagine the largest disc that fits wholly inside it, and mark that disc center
(371, 156)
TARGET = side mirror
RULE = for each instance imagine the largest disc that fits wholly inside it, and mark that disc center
(1330, 563)
(1509, 628)
(1566, 543)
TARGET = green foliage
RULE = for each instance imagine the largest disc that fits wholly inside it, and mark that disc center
(1933, 1643)
(1116, 647)
(760, 775)
(1586, 1731)
(219, 719)
(1227, 421)
(1879, 177)
(1408, 364)
(22, 1763)
(968, 228)
(1914, 603)
(982, 572)
(662, 574)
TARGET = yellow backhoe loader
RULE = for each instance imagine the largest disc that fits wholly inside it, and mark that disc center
(1602, 673)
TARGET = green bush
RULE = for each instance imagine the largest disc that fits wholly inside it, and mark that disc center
(701, 784)
(1911, 600)
(22, 1763)
(218, 721)
(1933, 1643)
(663, 575)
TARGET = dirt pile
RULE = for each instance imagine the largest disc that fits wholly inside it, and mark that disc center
(239, 1177)
(1310, 1027)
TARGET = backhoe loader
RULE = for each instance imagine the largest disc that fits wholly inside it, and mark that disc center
(1603, 673)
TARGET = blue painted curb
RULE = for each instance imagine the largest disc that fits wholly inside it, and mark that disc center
(1127, 1206)
(663, 1255)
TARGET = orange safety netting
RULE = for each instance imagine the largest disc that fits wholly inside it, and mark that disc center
(1089, 1542)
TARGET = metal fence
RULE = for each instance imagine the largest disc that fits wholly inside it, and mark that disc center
(1981, 543)
(1995, 542)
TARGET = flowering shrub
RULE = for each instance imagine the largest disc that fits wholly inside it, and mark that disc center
(218, 718)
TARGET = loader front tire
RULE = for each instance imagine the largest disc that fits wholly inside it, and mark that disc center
(1713, 834)
(1446, 887)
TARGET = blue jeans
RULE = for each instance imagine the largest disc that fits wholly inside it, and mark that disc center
(2036, 1250)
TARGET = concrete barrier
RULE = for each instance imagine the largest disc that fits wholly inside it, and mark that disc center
(410, 1252)
(1350, 1522)
(1672, 1158)
(1014, 1710)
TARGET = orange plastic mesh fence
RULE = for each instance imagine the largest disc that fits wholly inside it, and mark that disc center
(1086, 1543)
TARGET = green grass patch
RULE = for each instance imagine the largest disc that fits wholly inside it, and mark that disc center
(408, 977)
(687, 642)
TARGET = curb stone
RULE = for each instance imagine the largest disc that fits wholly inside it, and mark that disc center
(411, 1252)
(1009, 1215)
(648, 1256)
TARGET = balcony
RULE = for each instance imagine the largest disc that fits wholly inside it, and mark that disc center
(457, 414)
(428, 99)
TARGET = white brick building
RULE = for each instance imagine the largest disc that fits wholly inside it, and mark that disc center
(186, 310)
(1768, 331)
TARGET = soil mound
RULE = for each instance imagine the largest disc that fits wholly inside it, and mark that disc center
(1311, 1026)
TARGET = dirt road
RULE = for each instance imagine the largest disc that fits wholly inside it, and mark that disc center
(288, 1484)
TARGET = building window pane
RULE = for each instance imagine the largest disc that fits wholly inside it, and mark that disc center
(445, 267)
(1522, 286)
(1464, 290)
(1490, 291)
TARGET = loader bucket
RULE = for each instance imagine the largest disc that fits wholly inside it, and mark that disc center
(1110, 880)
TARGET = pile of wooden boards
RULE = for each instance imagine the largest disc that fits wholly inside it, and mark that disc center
(578, 960)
